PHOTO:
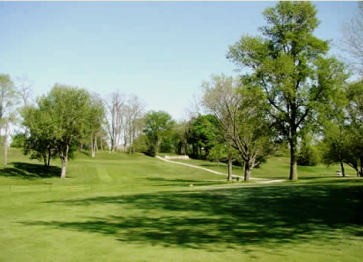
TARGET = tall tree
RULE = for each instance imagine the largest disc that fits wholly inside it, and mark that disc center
(134, 111)
(97, 115)
(290, 65)
(241, 118)
(115, 104)
(352, 40)
(354, 156)
(157, 125)
(8, 103)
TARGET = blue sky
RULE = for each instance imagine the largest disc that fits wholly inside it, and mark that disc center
(160, 51)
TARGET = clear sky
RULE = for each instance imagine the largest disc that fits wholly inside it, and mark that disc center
(160, 51)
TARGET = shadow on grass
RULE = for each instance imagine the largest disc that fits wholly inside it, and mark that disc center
(227, 218)
(29, 171)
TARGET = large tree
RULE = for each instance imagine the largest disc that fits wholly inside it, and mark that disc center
(62, 119)
(291, 66)
(354, 109)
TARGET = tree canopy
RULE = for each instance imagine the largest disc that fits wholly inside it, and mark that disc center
(292, 68)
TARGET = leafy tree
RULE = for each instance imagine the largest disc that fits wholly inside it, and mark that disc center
(157, 125)
(58, 121)
(354, 134)
(96, 120)
(18, 140)
(203, 133)
(224, 152)
(290, 65)
(179, 137)
(242, 121)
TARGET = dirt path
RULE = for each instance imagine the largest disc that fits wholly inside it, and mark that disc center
(263, 180)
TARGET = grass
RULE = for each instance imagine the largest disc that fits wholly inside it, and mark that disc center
(143, 209)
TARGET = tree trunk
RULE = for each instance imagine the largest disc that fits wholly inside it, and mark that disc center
(92, 147)
(5, 153)
(229, 178)
(293, 158)
(64, 160)
(342, 167)
(247, 171)
(101, 144)
(6, 144)
(64, 167)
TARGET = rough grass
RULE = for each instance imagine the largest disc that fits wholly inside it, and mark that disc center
(143, 209)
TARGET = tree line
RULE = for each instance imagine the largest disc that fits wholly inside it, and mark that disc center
(289, 94)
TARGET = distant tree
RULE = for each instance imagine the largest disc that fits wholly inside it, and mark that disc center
(9, 100)
(291, 66)
(97, 115)
(133, 113)
(156, 126)
(203, 134)
(115, 105)
(180, 137)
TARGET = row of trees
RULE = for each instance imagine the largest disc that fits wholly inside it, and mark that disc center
(289, 90)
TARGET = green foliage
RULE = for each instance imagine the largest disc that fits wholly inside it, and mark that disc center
(157, 125)
(60, 119)
(308, 156)
(18, 140)
(204, 133)
(290, 65)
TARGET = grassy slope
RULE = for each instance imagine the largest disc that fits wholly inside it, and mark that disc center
(155, 216)
(275, 168)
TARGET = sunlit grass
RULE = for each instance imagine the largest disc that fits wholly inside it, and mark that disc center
(120, 207)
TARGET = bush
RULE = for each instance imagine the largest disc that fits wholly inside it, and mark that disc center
(308, 156)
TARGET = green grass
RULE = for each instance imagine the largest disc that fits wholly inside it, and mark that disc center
(275, 168)
(143, 209)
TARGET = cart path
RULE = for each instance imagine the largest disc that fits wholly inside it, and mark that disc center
(265, 180)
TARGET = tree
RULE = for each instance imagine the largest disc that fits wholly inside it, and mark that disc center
(60, 119)
(114, 118)
(157, 125)
(203, 134)
(290, 65)
(224, 152)
(352, 40)
(354, 137)
(8, 103)
(241, 119)
(39, 140)
(96, 119)
(133, 113)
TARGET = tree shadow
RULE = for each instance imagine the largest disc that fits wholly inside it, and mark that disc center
(29, 171)
(228, 218)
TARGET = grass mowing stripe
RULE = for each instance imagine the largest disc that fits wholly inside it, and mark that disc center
(103, 174)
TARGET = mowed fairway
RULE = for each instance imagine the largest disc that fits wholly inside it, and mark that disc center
(120, 207)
